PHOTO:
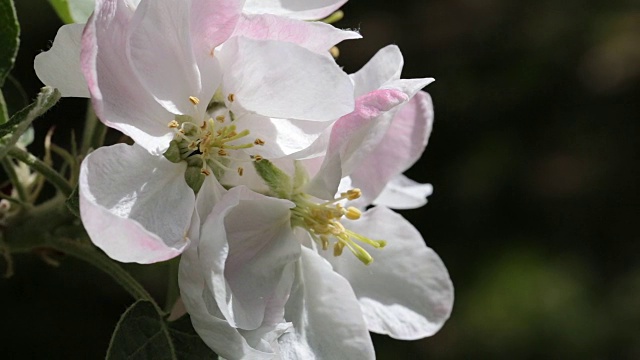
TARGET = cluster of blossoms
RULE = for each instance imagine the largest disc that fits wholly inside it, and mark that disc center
(264, 165)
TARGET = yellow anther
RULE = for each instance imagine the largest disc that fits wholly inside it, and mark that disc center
(353, 194)
(194, 100)
(325, 242)
(222, 152)
(220, 118)
(337, 248)
(205, 171)
(203, 126)
(240, 171)
(256, 158)
(334, 51)
(231, 97)
(258, 141)
(353, 213)
(173, 124)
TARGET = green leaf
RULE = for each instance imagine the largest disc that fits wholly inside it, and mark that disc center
(46, 99)
(187, 342)
(73, 11)
(9, 37)
(142, 333)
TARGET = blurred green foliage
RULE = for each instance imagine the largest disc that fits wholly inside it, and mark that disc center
(534, 160)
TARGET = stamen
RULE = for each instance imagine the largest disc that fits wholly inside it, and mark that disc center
(353, 213)
(220, 118)
(256, 158)
(205, 171)
(231, 97)
(173, 124)
(240, 171)
(258, 141)
(194, 100)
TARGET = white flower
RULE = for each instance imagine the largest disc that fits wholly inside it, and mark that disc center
(206, 86)
(353, 272)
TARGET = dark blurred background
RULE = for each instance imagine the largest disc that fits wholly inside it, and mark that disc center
(534, 160)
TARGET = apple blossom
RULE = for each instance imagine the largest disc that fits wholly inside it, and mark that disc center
(183, 80)
(387, 282)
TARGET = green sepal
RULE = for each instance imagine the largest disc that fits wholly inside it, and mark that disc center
(142, 333)
(193, 175)
(173, 153)
(277, 180)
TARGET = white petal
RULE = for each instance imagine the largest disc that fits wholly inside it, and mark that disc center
(281, 136)
(162, 56)
(289, 81)
(404, 193)
(246, 247)
(206, 318)
(315, 36)
(406, 292)
(297, 9)
(401, 146)
(118, 97)
(384, 66)
(135, 206)
(60, 66)
(326, 317)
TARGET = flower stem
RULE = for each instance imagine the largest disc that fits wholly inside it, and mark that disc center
(45, 170)
(15, 182)
(94, 131)
(88, 253)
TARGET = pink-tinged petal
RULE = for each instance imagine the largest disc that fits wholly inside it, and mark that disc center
(315, 36)
(296, 9)
(207, 319)
(162, 56)
(60, 66)
(406, 292)
(403, 193)
(246, 251)
(212, 22)
(353, 137)
(118, 97)
(288, 82)
(399, 149)
(135, 206)
(327, 320)
(384, 66)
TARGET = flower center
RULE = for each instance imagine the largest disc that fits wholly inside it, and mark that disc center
(211, 142)
(322, 221)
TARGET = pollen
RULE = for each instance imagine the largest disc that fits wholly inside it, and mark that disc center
(353, 213)
(240, 171)
(231, 97)
(323, 223)
(173, 124)
(258, 141)
(194, 100)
